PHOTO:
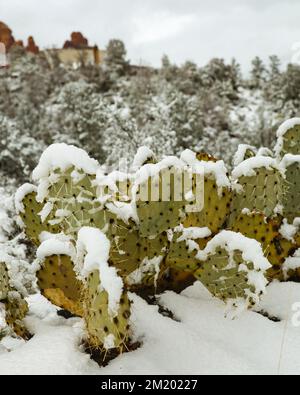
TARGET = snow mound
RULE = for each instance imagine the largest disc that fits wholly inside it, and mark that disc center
(287, 125)
(248, 167)
(62, 157)
(143, 154)
(24, 190)
(209, 342)
(55, 245)
(239, 156)
(288, 160)
(232, 241)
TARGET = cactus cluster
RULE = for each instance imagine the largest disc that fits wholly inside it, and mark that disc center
(15, 305)
(164, 226)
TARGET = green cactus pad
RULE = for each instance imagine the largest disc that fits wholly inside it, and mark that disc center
(257, 226)
(182, 253)
(215, 210)
(227, 274)
(16, 309)
(4, 281)
(32, 220)
(58, 283)
(100, 324)
(266, 231)
(260, 192)
(291, 197)
(129, 250)
(160, 203)
(74, 201)
(288, 138)
(224, 283)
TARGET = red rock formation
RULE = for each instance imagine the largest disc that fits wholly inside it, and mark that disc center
(77, 41)
(19, 43)
(6, 36)
(31, 46)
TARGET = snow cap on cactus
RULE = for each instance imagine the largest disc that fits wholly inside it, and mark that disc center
(233, 269)
(231, 241)
(243, 152)
(288, 138)
(55, 244)
(217, 169)
(247, 168)
(93, 254)
(143, 155)
(24, 190)
(61, 157)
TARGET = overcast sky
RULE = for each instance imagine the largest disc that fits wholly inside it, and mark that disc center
(184, 29)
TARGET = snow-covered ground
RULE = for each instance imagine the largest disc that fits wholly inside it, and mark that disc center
(200, 341)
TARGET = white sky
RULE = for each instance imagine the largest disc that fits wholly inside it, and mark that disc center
(184, 29)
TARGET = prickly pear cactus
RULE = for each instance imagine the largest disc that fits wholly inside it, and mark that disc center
(212, 188)
(4, 281)
(129, 251)
(291, 197)
(16, 307)
(184, 247)
(215, 210)
(288, 138)
(243, 153)
(169, 279)
(256, 225)
(58, 283)
(72, 198)
(105, 330)
(233, 269)
(160, 203)
(258, 187)
(29, 210)
(106, 307)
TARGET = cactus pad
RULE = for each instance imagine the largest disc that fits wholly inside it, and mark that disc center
(32, 220)
(104, 330)
(288, 138)
(216, 207)
(16, 310)
(291, 197)
(183, 250)
(4, 281)
(129, 250)
(58, 283)
(261, 191)
(229, 273)
(160, 203)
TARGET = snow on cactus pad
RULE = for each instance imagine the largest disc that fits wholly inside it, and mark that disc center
(288, 138)
(233, 269)
(56, 277)
(290, 165)
(258, 186)
(106, 307)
